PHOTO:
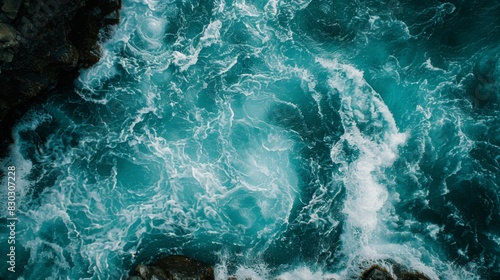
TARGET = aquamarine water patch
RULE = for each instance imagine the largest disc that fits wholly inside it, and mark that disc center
(298, 140)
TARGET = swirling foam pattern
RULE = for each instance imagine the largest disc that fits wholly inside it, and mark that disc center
(289, 139)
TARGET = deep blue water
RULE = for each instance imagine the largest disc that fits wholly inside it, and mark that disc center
(300, 139)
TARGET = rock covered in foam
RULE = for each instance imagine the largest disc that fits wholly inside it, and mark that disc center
(174, 268)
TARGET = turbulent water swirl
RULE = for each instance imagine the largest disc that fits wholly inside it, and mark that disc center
(291, 139)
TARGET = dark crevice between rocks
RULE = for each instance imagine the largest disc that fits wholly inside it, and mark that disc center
(43, 44)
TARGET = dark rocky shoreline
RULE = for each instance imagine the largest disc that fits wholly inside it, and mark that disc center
(43, 44)
(184, 268)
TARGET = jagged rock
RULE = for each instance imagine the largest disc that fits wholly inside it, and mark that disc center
(66, 56)
(174, 268)
(413, 276)
(6, 56)
(6, 32)
(152, 272)
(8, 35)
(11, 7)
(376, 273)
(43, 44)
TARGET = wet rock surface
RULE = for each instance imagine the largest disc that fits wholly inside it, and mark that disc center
(184, 268)
(42, 45)
(377, 272)
(174, 268)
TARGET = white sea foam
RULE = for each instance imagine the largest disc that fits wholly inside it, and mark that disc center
(152, 28)
(376, 147)
(183, 152)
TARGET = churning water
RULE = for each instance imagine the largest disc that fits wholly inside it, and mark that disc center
(300, 139)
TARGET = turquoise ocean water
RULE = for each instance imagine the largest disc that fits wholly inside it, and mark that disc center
(295, 139)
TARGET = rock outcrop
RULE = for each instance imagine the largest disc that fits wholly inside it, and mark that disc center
(377, 272)
(43, 44)
(174, 268)
(184, 268)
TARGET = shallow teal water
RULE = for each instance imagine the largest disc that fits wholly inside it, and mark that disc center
(300, 139)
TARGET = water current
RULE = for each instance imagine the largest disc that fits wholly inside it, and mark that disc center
(285, 138)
